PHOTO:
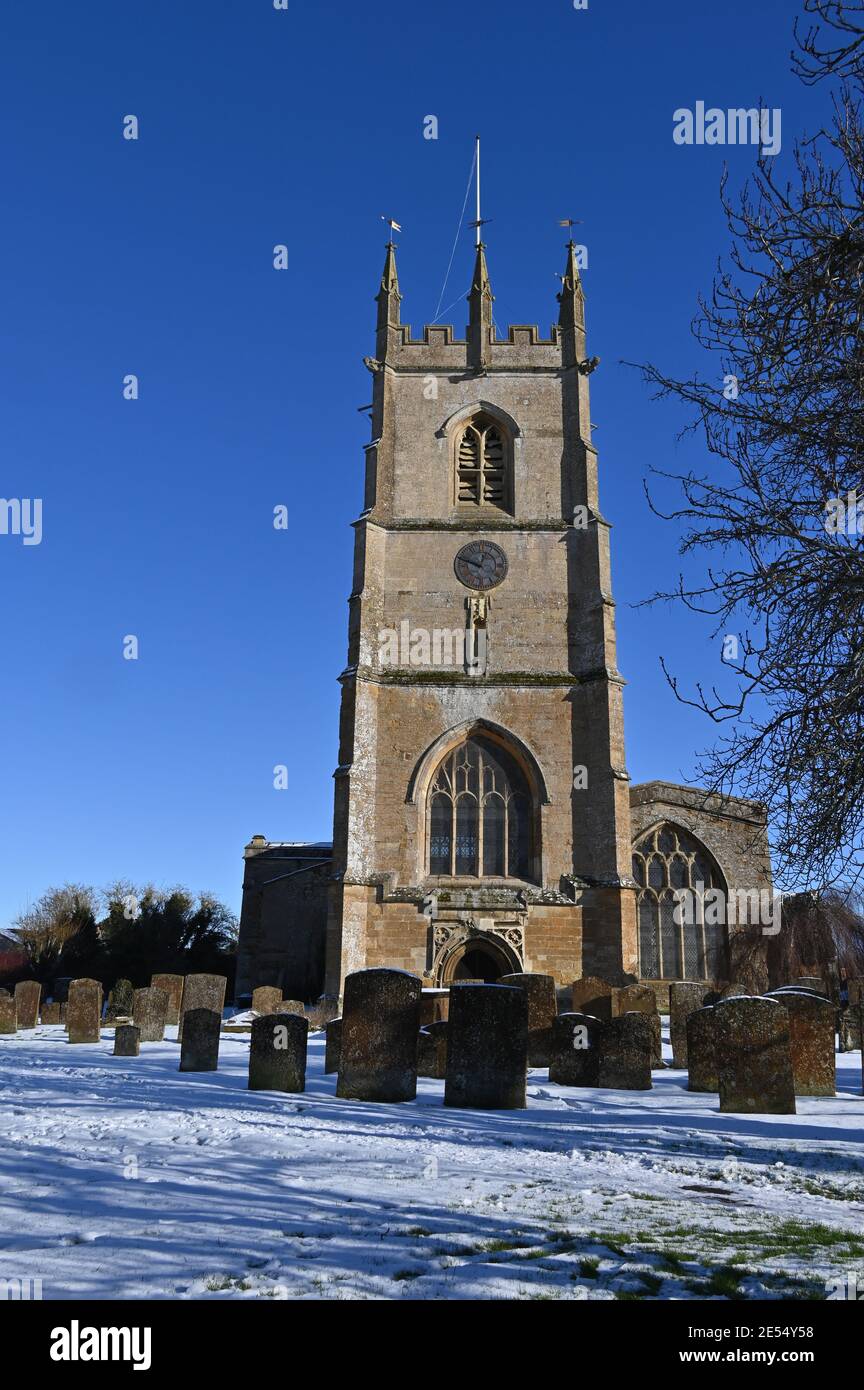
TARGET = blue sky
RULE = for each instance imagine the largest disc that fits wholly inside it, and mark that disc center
(154, 257)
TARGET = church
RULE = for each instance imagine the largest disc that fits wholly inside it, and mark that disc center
(484, 821)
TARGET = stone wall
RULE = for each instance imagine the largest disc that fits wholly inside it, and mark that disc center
(283, 918)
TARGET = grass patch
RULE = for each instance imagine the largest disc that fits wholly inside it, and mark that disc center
(588, 1268)
(403, 1274)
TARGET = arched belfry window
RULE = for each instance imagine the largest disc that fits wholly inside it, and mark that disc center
(484, 464)
(480, 814)
(674, 871)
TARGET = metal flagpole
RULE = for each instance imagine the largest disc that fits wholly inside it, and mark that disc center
(478, 188)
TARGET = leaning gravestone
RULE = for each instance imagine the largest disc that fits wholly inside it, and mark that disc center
(812, 1020)
(51, 1013)
(27, 996)
(685, 998)
(432, 1051)
(575, 1059)
(120, 1001)
(702, 1050)
(592, 996)
(332, 1045)
(487, 1047)
(84, 1011)
(542, 1010)
(277, 1054)
(753, 1057)
(149, 1012)
(202, 992)
(199, 1050)
(173, 987)
(8, 1015)
(380, 1023)
(127, 1039)
(266, 999)
(626, 1053)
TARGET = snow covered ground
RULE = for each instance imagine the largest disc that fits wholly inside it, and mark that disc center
(123, 1178)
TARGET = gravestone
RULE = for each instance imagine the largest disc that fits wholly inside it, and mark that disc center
(51, 1013)
(432, 1051)
(292, 1006)
(812, 1020)
(487, 1047)
(149, 1012)
(202, 992)
(754, 1061)
(685, 997)
(173, 987)
(27, 996)
(332, 1046)
(199, 1050)
(852, 1019)
(434, 1006)
(575, 1059)
(4, 994)
(8, 1015)
(120, 1001)
(84, 1011)
(814, 982)
(592, 995)
(380, 1023)
(542, 1010)
(626, 1052)
(127, 1039)
(277, 1054)
(266, 999)
(702, 1050)
(631, 999)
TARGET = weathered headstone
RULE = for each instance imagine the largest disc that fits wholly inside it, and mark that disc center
(8, 1015)
(434, 1006)
(702, 1050)
(626, 1052)
(266, 999)
(432, 1051)
(639, 999)
(120, 1001)
(127, 1039)
(173, 987)
(199, 1050)
(292, 1006)
(575, 1059)
(380, 1023)
(332, 1046)
(487, 1047)
(84, 1011)
(542, 1010)
(149, 1012)
(202, 992)
(27, 996)
(812, 1020)
(754, 1060)
(814, 982)
(51, 1013)
(592, 995)
(685, 997)
(277, 1054)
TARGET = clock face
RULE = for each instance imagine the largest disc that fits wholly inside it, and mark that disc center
(481, 565)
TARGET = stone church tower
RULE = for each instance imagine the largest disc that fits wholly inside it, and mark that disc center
(482, 804)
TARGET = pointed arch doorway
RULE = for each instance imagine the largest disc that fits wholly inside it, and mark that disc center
(479, 957)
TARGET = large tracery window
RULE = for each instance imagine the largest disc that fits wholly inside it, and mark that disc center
(667, 859)
(483, 473)
(480, 814)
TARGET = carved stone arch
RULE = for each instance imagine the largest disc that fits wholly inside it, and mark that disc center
(467, 412)
(675, 941)
(426, 765)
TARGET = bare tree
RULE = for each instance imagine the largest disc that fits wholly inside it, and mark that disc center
(782, 416)
(817, 57)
